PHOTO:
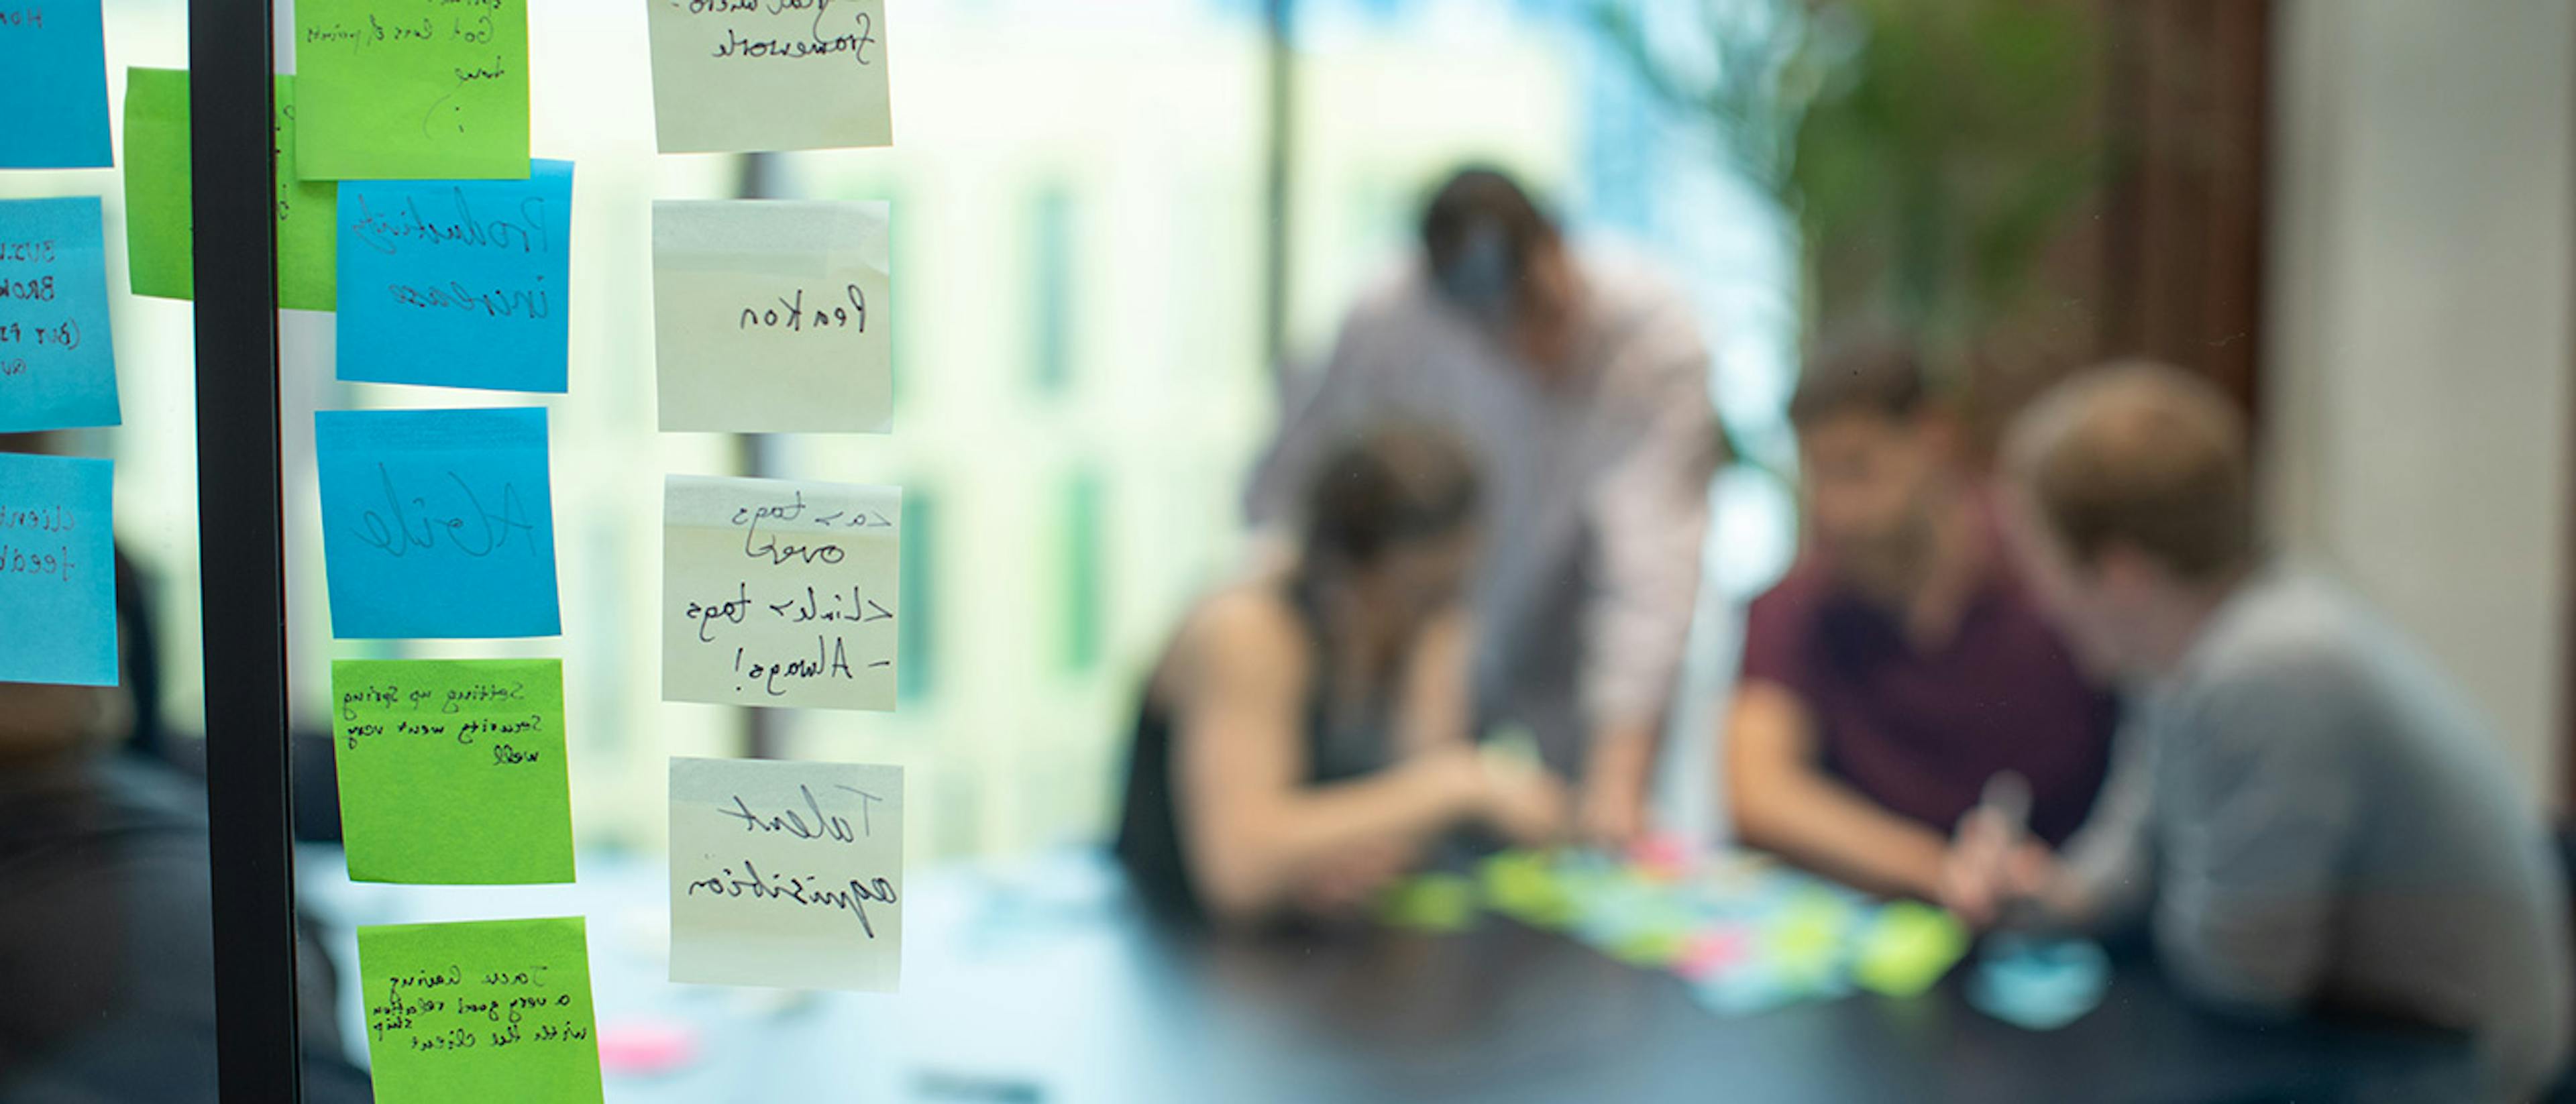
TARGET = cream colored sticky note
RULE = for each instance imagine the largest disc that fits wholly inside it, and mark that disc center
(772, 317)
(787, 874)
(820, 63)
(777, 592)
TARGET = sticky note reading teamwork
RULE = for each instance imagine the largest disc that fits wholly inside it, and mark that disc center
(771, 317)
(57, 364)
(55, 55)
(412, 89)
(437, 523)
(821, 64)
(160, 231)
(787, 874)
(779, 593)
(57, 571)
(487, 1011)
(456, 283)
(452, 771)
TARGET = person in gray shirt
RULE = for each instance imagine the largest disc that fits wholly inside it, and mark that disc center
(2307, 812)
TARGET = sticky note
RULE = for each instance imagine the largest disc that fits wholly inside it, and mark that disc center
(817, 66)
(57, 571)
(55, 53)
(776, 592)
(787, 874)
(1429, 902)
(486, 1011)
(456, 283)
(412, 89)
(2040, 984)
(771, 317)
(57, 359)
(437, 523)
(160, 231)
(452, 771)
(1907, 947)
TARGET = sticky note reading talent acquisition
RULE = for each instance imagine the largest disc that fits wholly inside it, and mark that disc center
(486, 1011)
(412, 89)
(772, 317)
(787, 874)
(777, 592)
(57, 364)
(456, 283)
(55, 55)
(452, 771)
(57, 571)
(160, 232)
(822, 63)
(437, 523)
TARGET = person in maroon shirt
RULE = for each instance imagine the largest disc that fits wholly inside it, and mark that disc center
(1900, 666)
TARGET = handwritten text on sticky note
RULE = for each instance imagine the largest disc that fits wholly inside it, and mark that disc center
(452, 771)
(772, 317)
(55, 55)
(787, 874)
(57, 364)
(777, 592)
(160, 251)
(822, 61)
(486, 1011)
(412, 89)
(57, 571)
(456, 283)
(437, 523)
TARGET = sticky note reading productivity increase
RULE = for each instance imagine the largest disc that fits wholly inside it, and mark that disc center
(821, 62)
(55, 53)
(777, 592)
(492, 1010)
(452, 771)
(437, 523)
(57, 359)
(456, 283)
(160, 231)
(57, 571)
(772, 317)
(412, 89)
(787, 874)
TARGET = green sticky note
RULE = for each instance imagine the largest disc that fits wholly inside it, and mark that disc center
(1907, 947)
(452, 771)
(1431, 903)
(160, 231)
(486, 1011)
(412, 89)
(1525, 886)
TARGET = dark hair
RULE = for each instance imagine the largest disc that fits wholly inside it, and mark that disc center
(1385, 489)
(1480, 231)
(2144, 455)
(1872, 374)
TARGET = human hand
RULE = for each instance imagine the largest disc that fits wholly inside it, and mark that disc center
(1613, 813)
(1992, 863)
(1521, 800)
(1351, 881)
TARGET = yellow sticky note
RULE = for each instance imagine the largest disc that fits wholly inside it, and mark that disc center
(452, 771)
(1430, 902)
(773, 317)
(1907, 947)
(787, 874)
(488, 1011)
(778, 592)
(823, 62)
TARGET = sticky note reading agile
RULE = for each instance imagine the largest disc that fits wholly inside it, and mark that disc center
(437, 523)
(456, 283)
(821, 63)
(57, 571)
(57, 363)
(492, 1010)
(160, 232)
(787, 874)
(779, 593)
(771, 317)
(452, 771)
(55, 55)
(412, 89)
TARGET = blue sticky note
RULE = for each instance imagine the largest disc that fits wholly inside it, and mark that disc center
(456, 283)
(437, 523)
(57, 363)
(55, 55)
(2040, 984)
(57, 571)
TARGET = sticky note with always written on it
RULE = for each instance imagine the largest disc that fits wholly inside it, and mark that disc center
(778, 592)
(160, 231)
(412, 89)
(452, 771)
(826, 58)
(456, 283)
(491, 1010)
(57, 354)
(55, 53)
(773, 316)
(57, 570)
(787, 874)
(437, 523)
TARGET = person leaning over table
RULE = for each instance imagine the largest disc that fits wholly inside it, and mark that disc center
(2309, 812)
(1305, 736)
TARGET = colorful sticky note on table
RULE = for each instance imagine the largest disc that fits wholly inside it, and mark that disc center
(823, 65)
(55, 54)
(1906, 947)
(772, 317)
(456, 283)
(491, 1010)
(787, 874)
(160, 234)
(437, 523)
(57, 571)
(412, 89)
(452, 771)
(777, 592)
(1430, 903)
(57, 356)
